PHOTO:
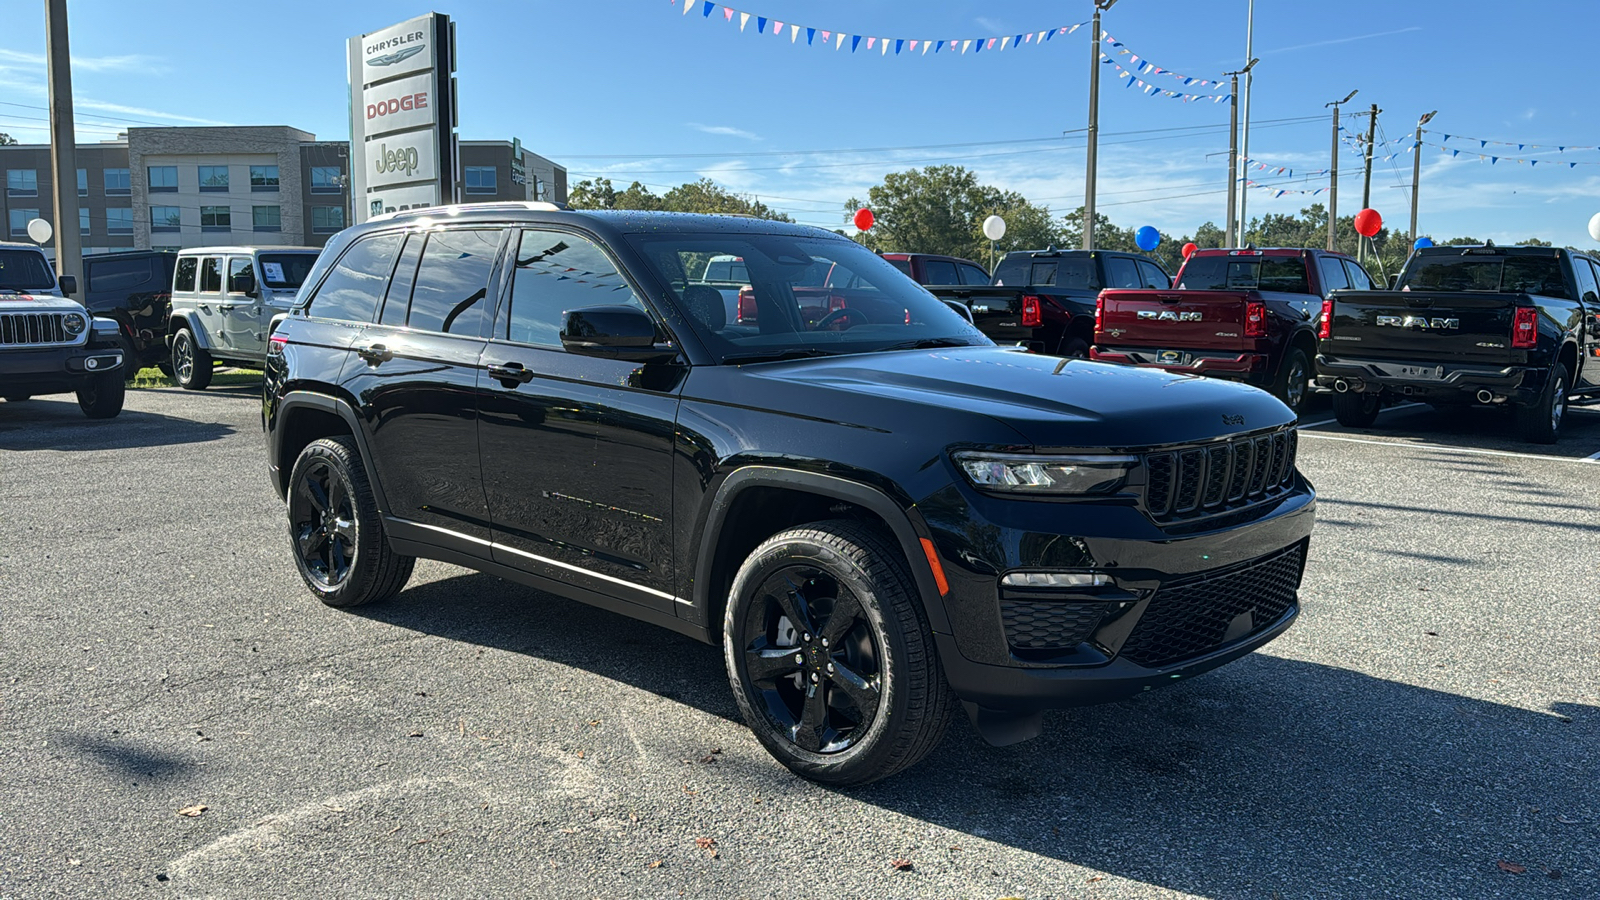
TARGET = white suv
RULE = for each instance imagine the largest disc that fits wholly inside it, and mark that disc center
(50, 344)
(223, 303)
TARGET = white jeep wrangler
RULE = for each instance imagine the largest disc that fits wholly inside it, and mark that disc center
(50, 344)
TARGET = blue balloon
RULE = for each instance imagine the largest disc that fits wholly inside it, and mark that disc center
(1147, 238)
(1421, 242)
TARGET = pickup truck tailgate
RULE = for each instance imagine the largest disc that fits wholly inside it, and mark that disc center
(1213, 320)
(1425, 326)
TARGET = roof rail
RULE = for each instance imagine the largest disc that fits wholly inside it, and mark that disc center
(456, 208)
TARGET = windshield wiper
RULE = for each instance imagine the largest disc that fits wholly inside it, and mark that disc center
(777, 354)
(926, 344)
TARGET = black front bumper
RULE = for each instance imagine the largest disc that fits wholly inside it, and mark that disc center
(54, 370)
(1444, 382)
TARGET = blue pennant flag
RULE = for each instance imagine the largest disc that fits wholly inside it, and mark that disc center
(1447, 138)
(938, 46)
(1017, 41)
(709, 7)
(897, 45)
(761, 24)
(1482, 144)
(1050, 35)
(855, 41)
(811, 34)
(978, 44)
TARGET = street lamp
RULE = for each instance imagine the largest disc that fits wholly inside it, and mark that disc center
(1236, 237)
(1333, 171)
(1416, 168)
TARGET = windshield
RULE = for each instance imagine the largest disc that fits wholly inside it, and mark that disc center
(25, 270)
(806, 297)
(1492, 274)
(1284, 274)
(286, 271)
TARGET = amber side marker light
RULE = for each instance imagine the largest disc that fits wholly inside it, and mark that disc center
(938, 570)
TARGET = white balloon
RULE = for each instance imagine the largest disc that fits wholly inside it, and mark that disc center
(40, 230)
(1594, 227)
(994, 228)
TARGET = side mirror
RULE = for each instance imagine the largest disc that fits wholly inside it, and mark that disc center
(614, 332)
(1394, 280)
(242, 283)
(69, 285)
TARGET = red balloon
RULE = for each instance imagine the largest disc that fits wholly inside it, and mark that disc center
(1189, 248)
(1368, 222)
(863, 219)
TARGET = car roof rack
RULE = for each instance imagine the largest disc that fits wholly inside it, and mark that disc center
(456, 208)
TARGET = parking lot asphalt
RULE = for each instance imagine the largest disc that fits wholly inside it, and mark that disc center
(1429, 728)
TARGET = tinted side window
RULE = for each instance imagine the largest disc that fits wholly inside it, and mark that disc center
(398, 300)
(122, 275)
(453, 280)
(184, 279)
(557, 272)
(1042, 274)
(1154, 278)
(352, 288)
(1596, 266)
(938, 271)
(973, 275)
(211, 275)
(1121, 273)
(1587, 289)
(237, 265)
(1284, 274)
(1333, 274)
(1359, 279)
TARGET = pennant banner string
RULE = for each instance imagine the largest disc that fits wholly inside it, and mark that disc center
(1145, 67)
(1559, 148)
(838, 39)
(1155, 90)
(1491, 159)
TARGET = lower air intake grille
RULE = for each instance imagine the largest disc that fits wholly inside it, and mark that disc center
(1193, 618)
(1049, 625)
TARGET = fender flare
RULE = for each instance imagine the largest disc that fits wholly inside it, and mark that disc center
(905, 531)
(190, 321)
(297, 400)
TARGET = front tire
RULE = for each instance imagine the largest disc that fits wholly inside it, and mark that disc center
(191, 365)
(335, 530)
(830, 659)
(1294, 378)
(1355, 410)
(1540, 423)
(102, 395)
(1075, 348)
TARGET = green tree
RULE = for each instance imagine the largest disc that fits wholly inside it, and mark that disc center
(600, 194)
(706, 196)
(940, 209)
(6, 140)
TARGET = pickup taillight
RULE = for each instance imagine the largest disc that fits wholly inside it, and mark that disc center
(1099, 313)
(1255, 319)
(747, 306)
(1525, 328)
(1031, 316)
(1325, 330)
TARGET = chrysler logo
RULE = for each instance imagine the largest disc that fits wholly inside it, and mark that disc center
(1167, 315)
(1422, 323)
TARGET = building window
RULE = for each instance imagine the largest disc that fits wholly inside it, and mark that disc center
(168, 248)
(327, 180)
(22, 182)
(216, 218)
(214, 179)
(163, 179)
(165, 218)
(118, 184)
(266, 218)
(480, 180)
(264, 179)
(327, 219)
(20, 219)
(83, 184)
(120, 221)
(83, 218)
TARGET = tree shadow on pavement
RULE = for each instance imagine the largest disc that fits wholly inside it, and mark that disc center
(1267, 777)
(58, 424)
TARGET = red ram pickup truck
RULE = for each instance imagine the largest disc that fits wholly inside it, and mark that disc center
(1248, 315)
(931, 268)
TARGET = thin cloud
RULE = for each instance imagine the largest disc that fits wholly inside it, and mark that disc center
(1359, 37)
(128, 63)
(991, 24)
(103, 106)
(724, 129)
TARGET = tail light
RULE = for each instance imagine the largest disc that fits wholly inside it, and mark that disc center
(1099, 313)
(1255, 319)
(1325, 331)
(1031, 317)
(747, 305)
(1525, 328)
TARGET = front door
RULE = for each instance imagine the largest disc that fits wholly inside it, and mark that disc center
(243, 334)
(577, 451)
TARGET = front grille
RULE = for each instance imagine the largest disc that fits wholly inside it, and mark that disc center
(1048, 625)
(33, 328)
(1192, 618)
(1194, 482)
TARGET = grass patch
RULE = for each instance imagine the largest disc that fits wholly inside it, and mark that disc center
(152, 377)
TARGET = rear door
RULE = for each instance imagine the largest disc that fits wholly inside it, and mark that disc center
(1588, 375)
(208, 304)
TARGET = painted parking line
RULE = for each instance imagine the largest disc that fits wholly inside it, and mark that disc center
(1305, 425)
(1590, 460)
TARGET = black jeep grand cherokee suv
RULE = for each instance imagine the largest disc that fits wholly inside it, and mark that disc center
(874, 509)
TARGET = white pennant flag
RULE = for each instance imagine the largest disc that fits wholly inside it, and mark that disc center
(965, 45)
(1040, 38)
(885, 43)
(840, 43)
(744, 19)
(925, 45)
(686, 5)
(794, 32)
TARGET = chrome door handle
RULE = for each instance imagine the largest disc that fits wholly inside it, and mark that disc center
(375, 353)
(511, 372)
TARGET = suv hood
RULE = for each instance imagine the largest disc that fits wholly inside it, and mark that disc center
(1051, 402)
(37, 301)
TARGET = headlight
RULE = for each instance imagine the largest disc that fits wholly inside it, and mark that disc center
(1028, 474)
(74, 324)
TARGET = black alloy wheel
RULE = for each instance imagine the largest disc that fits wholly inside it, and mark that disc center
(1355, 410)
(336, 531)
(191, 365)
(1293, 383)
(831, 662)
(103, 394)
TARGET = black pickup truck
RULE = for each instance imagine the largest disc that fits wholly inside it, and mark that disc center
(1045, 299)
(1493, 326)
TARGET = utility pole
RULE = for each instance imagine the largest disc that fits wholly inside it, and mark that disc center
(63, 143)
(1249, 79)
(1416, 168)
(1094, 124)
(1366, 176)
(1333, 171)
(1235, 233)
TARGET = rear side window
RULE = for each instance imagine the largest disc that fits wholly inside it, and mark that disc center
(351, 290)
(1586, 286)
(938, 271)
(557, 272)
(973, 275)
(123, 275)
(1333, 274)
(398, 300)
(1359, 279)
(1121, 273)
(184, 279)
(1154, 278)
(211, 275)
(453, 280)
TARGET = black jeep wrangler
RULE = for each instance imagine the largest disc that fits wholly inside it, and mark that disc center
(876, 511)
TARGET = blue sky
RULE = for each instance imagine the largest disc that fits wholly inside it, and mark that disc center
(635, 90)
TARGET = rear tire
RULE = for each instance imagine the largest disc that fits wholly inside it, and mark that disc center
(1294, 377)
(335, 531)
(191, 365)
(102, 395)
(1540, 423)
(1356, 410)
(1075, 347)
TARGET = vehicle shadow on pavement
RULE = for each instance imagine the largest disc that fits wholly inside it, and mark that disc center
(1269, 775)
(1474, 428)
(50, 424)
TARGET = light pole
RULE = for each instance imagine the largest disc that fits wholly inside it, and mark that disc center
(1235, 234)
(1333, 170)
(1094, 123)
(1416, 168)
(1249, 41)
